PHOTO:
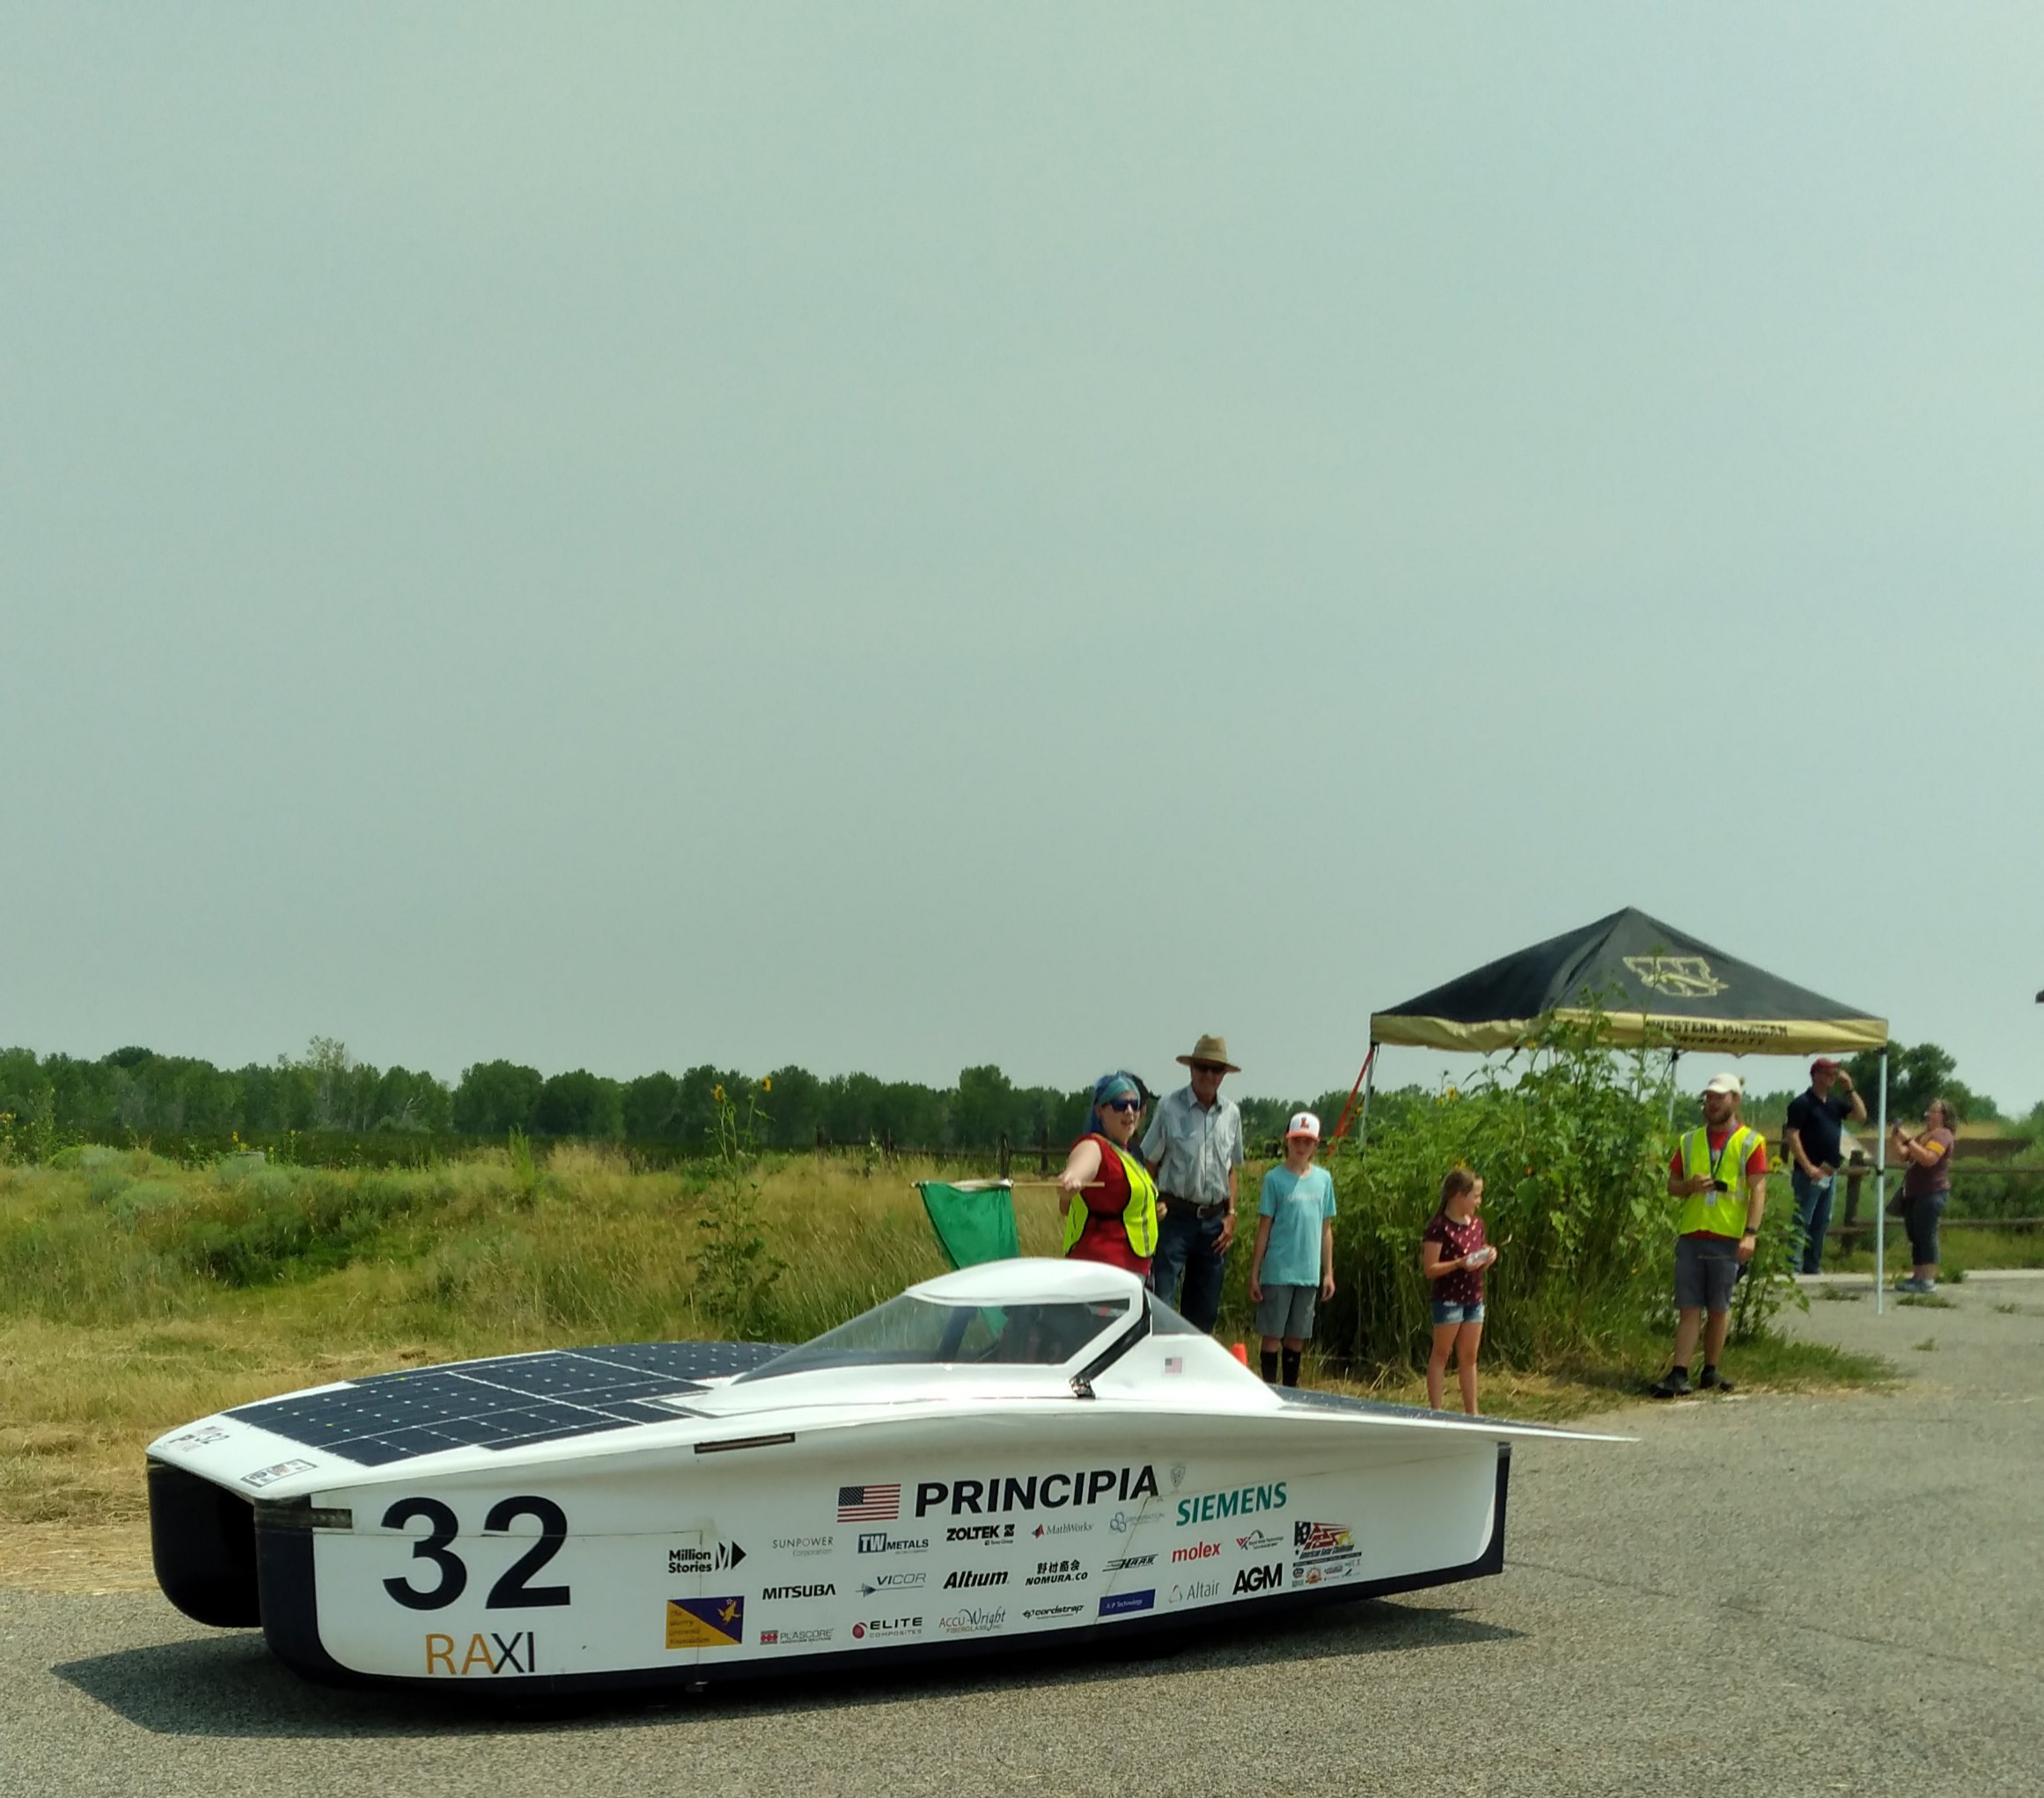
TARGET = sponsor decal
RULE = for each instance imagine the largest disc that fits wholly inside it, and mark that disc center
(891, 1582)
(1194, 1592)
(1043, 1610)
(869, 1504)
(1175, 1363)
(1177, 1475)
(484, 1655)
(980, 1532)
(965, 1577)
(1122, 1521)
(1073, 1527)
(199, 1438)
(708, 1557)
(1048, 1492)
(826, 1590)
(1197, 1551)
(801, 1545)
(881, 1629)
(1120, 1603)
(879, 1541)
(1322, 1552)
(1057, 1573)
(1242, 1501)
(790, 1638)
(1263, 1579)
(972, 1620)
(1120, 1564)
(269, 1476)
(1260, 1542)
(705, 1623)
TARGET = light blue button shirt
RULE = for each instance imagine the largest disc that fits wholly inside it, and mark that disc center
(1193, 1147)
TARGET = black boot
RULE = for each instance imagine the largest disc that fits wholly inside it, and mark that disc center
(1291, 1360)
(1268, 1357)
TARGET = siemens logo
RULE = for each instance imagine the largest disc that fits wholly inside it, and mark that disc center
(1050, 1491)
(1241, 1502)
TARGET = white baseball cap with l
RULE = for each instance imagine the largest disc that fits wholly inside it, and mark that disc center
(1726, 1083)
(1303, 1124)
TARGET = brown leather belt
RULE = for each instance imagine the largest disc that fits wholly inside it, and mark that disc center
(1192, 1205)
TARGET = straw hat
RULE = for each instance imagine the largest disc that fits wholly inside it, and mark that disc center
(1213, 1049)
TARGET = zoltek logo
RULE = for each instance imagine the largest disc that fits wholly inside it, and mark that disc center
(980, 1532)
(1259, 1579)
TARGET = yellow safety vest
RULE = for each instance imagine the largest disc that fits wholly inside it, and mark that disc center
(1139, 1216)
(1721, 1214)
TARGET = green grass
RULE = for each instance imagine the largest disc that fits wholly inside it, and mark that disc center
(134, 1296)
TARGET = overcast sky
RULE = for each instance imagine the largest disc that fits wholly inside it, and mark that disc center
(891, 537)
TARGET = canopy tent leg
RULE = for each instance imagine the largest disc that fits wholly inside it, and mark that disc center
(1674, 1055)
(1369, 1087)
(1881, 1191)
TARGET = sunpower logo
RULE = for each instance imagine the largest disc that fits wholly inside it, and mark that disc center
(1242, 1501)
(1049, 1492)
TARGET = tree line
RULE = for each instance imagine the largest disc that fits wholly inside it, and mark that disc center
(136, 1093)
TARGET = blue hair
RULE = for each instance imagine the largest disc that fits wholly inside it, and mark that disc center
(1119, 1085)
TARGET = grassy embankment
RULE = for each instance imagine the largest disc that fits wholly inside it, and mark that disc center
(136, 1295)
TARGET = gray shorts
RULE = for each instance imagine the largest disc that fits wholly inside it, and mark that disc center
(1287, 1311)
(1706, 1270)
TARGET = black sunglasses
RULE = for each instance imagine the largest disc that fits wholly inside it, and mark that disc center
(1125, 1104)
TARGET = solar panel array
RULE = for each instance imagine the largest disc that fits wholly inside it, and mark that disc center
(505, 1403)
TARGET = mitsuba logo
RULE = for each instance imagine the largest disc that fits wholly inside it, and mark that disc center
(485, 1654)
(827, 1591)
(980, 1532)
(1241, 1502)
(1048, 1492)
(1259, 1579)
(965, 1576)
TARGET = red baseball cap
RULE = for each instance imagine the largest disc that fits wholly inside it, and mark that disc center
(1824, 1064)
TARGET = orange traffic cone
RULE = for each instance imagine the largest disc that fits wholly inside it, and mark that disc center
(1240, 1351)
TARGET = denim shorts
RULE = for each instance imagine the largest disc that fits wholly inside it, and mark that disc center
(1287, 1311)
(1453, 1312)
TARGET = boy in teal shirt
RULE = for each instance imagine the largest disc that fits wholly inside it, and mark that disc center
(1293, 1266)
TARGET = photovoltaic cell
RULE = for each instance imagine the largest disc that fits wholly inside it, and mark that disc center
(502, 1403)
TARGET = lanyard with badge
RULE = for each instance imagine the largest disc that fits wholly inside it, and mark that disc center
(1717, 1159)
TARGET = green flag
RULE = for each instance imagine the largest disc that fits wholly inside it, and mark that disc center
(974, 1223)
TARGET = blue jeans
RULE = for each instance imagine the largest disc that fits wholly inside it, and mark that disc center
(1185, 1246)
(1812, 1215)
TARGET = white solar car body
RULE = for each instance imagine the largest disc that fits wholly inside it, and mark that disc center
(1025, 1452)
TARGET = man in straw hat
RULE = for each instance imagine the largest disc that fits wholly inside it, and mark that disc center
(1193, 1146)
(1719, 1172)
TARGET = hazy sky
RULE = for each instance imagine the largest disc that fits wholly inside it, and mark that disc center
(898, 536)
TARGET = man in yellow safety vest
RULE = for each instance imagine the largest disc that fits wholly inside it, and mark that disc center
(1719, 1172)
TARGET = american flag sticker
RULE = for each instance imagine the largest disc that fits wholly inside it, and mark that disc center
(869, 1504)
(1175, 1363)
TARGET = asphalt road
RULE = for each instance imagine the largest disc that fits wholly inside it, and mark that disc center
(1761, 1595)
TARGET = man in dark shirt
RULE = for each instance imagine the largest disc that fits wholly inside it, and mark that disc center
(1816, 1122)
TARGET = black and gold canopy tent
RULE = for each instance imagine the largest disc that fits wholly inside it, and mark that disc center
(1654, 985)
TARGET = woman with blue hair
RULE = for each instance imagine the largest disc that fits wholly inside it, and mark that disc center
(1110, 1199)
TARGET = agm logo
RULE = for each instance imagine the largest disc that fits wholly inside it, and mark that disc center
(1259, 1579)
(1675, 976)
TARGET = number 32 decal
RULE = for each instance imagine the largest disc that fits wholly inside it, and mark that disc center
(510, 1593)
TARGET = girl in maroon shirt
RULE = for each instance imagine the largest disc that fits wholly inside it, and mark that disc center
(1453, 1255)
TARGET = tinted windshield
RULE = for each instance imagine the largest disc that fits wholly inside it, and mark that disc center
(911, 1332)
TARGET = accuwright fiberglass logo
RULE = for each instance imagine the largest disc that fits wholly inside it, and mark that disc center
(1675, 976)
